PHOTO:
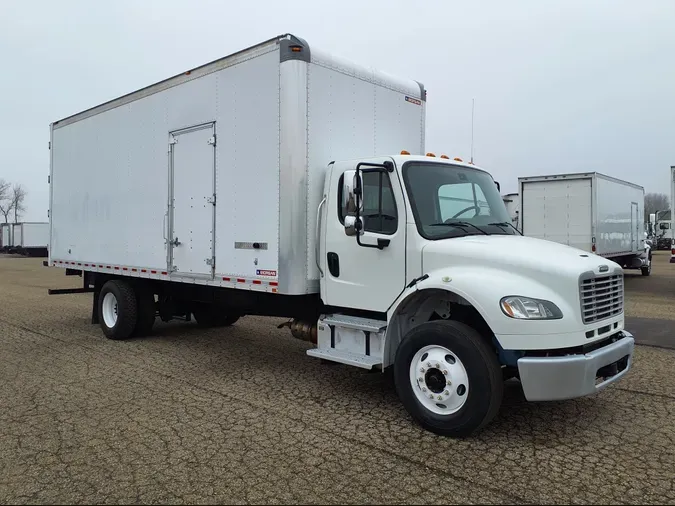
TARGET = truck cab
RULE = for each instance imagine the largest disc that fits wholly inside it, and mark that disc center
(422, 271)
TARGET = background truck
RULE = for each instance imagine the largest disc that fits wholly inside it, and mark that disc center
(5, 236)
(31, 238)
(663, 232)
(512, 203)
(283, 181)
(590, 211)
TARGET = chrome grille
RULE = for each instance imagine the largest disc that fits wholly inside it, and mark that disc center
(601, 297)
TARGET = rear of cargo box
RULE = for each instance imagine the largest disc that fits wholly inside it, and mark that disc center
(558, 208)
(35, 234)
(5, 236)
(620, 217)
(214, 175)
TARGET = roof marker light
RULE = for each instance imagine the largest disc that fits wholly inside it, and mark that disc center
(457, 159)
(445, 157)
(431, 154)
(404, 152)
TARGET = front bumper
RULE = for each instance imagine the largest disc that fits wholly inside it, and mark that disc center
(570, 376)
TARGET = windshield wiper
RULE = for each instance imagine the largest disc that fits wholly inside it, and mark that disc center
(459, 224)
(503, 224)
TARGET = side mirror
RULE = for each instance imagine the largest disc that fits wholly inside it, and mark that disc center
(351, 186)
(499, 187)
(353, 226)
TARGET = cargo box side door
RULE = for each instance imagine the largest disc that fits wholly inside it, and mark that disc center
(192, 201)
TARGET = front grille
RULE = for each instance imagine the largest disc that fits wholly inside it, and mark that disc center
(601, 297)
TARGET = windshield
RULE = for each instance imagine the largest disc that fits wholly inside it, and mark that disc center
(454, 201)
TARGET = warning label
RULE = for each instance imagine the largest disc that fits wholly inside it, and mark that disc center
(264, 272)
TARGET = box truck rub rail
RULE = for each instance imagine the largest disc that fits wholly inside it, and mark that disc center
(272, 182)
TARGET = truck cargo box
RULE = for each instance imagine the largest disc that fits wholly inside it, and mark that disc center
(589, 211)
(214, 176)
(5, 236)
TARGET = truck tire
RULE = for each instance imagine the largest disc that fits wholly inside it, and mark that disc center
(212, 316)
(646, 271)
(117, 310)
(146, 310)
(448, 378)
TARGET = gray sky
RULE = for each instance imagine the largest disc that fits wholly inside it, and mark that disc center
(560, 86)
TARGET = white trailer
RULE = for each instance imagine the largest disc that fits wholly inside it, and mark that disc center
(5, 236)
(276, 182)
(590, 211)
(31, 238)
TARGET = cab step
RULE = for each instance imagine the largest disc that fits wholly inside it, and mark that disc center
(355, 322)
(345, 357)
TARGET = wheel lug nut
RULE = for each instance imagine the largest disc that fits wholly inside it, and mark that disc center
(440, 398)
(431, 396)
(447, 392)
(424, 389)
(438, 366)
(422, 370)
(428, 364)
(445, 371)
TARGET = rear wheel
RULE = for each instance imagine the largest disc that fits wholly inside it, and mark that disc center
(117, 310)
(448, 378)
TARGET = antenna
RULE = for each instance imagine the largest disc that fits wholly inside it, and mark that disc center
(472, 107)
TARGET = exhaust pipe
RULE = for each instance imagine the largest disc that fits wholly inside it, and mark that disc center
(303, 330)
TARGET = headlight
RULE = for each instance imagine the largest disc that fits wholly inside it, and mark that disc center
(526, 308)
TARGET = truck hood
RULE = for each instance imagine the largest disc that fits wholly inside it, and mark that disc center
(512, 252)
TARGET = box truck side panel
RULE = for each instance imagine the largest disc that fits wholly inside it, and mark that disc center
(35, 235)
(17, 234)
(112, 173)
(354, 112)
(558, 210)
(620, 217)
(6, 235)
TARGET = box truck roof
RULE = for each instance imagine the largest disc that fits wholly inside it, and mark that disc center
(290, 48)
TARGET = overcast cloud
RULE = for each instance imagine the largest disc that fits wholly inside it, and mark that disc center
(567, 86)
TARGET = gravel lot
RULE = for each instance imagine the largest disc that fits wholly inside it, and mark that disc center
(241, 415)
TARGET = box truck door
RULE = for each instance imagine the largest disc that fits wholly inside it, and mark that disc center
(559, 211)
(192, 201)
(362, 275)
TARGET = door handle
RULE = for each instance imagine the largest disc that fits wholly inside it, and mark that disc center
(317, 246)
(175, 242)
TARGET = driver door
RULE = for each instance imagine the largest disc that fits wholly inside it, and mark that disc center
(362, 275)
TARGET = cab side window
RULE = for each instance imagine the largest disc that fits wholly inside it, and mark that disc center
(379, 204)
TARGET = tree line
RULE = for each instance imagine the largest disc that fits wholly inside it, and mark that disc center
(12, 197)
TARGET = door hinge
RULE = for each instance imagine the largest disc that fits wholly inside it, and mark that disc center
(211, 200)
(212, 140)
(211, 261)
(173, 141)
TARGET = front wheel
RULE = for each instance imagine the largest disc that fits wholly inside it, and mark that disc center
(448, 378)
(647, 269)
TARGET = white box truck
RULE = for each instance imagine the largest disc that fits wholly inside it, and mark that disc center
(276, 182)
(590, 211)
(512, 203)
(5, 237)
(31, 238)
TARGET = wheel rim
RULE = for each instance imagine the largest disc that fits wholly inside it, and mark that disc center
(109, 307)
(439, 380)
